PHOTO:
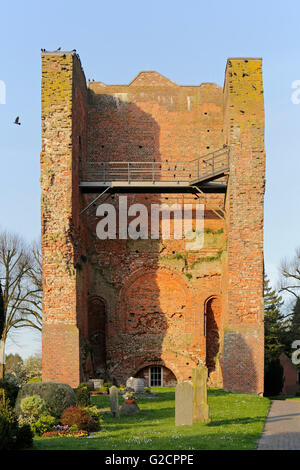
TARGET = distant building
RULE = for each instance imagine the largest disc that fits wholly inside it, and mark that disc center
(291, 375)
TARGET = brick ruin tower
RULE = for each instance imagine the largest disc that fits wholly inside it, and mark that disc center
(150, 307)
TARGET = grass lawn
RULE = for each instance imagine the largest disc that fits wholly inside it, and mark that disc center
(236, 423)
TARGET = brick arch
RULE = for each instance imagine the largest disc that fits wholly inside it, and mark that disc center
(155, 313)
(97, 318)
(158, 362)
(212, 329)
(137, 274)
(168, 376)
(140, 363)
(154, 299)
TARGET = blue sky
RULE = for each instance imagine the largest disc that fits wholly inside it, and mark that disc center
(187, 41)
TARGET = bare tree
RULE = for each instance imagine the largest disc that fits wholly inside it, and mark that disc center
(2, 324)
(20, 277)
(290, 275)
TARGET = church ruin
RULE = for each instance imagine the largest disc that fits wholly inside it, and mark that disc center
(150, 307)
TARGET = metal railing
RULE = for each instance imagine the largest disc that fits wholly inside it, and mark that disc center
(193, 171)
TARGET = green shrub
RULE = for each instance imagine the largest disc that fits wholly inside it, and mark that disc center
(82, 385)
(34, 380)
(44, 424)
(24, 437)
(80, 417)
(82, 396)
(8, 426)
(32, 407)
(57, 396)
(95, 414)
(102, 389)
(108, 385)
(74, 427)
(11, 390)
(12, 436)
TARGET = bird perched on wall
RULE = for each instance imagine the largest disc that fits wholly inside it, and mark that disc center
(17, 121)
(43, 50)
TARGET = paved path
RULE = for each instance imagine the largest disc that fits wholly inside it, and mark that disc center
(282, 427)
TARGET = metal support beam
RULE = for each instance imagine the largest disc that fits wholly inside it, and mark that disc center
(210, 206)
(96, 199)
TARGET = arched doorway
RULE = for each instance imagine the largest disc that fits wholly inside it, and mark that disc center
(212, 331)
(96, 334)
(157, 376)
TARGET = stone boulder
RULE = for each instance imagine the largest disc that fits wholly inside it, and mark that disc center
(129, 408)
(57, 396)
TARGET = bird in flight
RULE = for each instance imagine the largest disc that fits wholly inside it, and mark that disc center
(17, 121)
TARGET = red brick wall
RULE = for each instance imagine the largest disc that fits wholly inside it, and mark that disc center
(64, 109)
(243, 350)
(149, 120)
(155, 290)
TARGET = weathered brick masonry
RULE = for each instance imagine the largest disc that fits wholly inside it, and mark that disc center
(118, 307)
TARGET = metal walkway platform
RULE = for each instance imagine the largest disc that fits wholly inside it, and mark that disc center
(157, 176)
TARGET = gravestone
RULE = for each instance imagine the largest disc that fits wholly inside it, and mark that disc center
(139, 385)
(184, 397)
(201, 409)
(130, 382)
(114, 401)
(136, 384)
(97, 383)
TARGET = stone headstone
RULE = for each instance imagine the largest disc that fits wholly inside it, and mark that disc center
(184, 397)
(139, 385)
(201, 408)
(136, 384)
(114, 401)
(97, 383)
(130, 383)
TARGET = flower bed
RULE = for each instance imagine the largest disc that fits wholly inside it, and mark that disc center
(75, 421)
(65, 433)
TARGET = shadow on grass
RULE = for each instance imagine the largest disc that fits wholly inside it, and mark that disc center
(144, 416)
(284, 397)
(183, 438)
(229, 422)
(154, 428)
(217, 392)
(161, 412)
(102, 401)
